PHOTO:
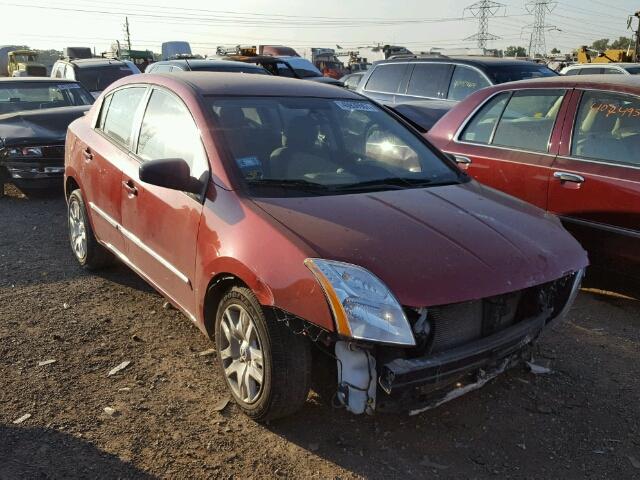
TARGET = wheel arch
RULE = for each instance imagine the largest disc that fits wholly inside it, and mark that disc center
(220, 284)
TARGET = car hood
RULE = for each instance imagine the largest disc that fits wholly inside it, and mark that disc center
(438, 245)
(34, 127)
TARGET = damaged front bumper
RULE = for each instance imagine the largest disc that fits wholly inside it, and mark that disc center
(417, 383)
(34, 174)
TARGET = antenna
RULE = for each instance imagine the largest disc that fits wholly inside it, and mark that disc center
(483, 10)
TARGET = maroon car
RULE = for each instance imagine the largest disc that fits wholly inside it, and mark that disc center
(569, 145)
(314, 236)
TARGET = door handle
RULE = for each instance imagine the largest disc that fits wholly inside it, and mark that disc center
(86, 153)
(568, 177)
(130, 188)
(463, 162)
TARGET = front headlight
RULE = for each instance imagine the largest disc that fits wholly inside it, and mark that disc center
(20, 152)
(363, 307)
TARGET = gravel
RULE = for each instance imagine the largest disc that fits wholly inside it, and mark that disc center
(167, 418)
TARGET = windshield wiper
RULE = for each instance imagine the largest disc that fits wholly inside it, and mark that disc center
(396, 183)
(288, 183)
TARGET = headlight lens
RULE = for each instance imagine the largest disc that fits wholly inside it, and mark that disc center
(25, 152)
(364, 308)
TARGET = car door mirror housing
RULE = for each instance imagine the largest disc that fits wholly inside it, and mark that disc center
(173, 173)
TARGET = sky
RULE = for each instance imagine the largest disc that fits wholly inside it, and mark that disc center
(416, 24)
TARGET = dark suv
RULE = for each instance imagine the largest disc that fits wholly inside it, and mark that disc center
(410, 78)
(95, 74)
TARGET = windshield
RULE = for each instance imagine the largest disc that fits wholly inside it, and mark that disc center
(21, 58)
(19, 96)
(98, 78)
(633, 70)
(315, 146)
(303, 67)
(512, 73)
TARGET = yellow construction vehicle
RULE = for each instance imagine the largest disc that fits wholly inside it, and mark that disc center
(588, 55)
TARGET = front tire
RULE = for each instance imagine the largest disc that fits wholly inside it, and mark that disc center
(88, 252)
(266, 366)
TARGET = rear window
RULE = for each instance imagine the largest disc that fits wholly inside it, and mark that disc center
(386, 78)
(20, 96)
(633, 70)
(512, 73)
(98, 78)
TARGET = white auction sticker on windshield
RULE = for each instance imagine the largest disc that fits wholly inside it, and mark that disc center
(358, 106)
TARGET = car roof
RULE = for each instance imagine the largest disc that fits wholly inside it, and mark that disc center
(94, 62)
(36, 80)
(600, 65)
(254, 58)
(580, 81)
(469, 60)
(229, 83)
(198, 62)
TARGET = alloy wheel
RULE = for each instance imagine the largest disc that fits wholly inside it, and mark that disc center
(241, 354)
(77, 230)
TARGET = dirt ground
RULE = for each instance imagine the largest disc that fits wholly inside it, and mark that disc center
(580, 421)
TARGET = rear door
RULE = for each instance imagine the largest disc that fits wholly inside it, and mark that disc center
(103, 155)
(511, 142)
(595, 186)
(161, 225)
(385, 81)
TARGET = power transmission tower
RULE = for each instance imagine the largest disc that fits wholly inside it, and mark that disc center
(483, 10)
(127, 34)
(538, 41)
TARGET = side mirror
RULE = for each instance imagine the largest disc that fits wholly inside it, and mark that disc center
(173, 173)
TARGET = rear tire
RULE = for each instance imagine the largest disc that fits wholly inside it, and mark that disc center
(88, 252)
(266, 366)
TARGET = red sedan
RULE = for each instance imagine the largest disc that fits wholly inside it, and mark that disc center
(313, 235)
(570, 145)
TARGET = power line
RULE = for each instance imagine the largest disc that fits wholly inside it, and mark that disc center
(483, 10)
(539, 28)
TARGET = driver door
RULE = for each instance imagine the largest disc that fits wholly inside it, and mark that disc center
(162, 224)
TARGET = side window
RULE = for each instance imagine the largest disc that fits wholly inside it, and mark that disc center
(169, 131)
(611, 71)
(120, 114)
(464, 82)
(591, 71)
(386, 78)
(161, 69)
(429, 80)
(608, 128)
(528, 120)
(482, 125)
